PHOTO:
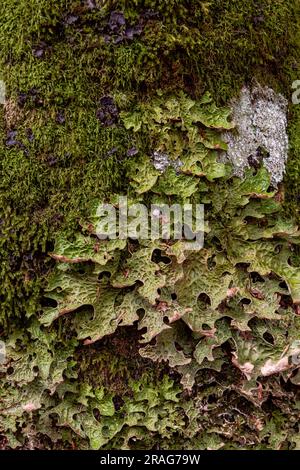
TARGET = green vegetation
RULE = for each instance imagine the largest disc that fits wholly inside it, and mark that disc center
(65, 144)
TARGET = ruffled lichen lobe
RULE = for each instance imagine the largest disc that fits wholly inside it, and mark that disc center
(81, 76)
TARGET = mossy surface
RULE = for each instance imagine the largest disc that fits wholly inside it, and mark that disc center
(292, 179)
(58, 59)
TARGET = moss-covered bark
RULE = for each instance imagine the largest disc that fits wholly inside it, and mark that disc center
(62, 146)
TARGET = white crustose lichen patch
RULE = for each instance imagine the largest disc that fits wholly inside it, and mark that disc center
(260, 116)
(161, 162)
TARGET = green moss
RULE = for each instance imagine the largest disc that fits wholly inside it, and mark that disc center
(292, 179)
(114, 362)
(195, 46)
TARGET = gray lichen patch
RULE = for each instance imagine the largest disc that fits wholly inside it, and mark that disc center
(161, 161)
(260, 116)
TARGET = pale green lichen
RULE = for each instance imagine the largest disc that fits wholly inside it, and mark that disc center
(53, 65)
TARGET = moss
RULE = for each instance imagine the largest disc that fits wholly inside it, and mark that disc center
(54, 66)
(292, 180)
(217, 45)
(49, 183)
(114, 362)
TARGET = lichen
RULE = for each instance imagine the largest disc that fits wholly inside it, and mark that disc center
(161, 162)
(260, 117)
(71, 69)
